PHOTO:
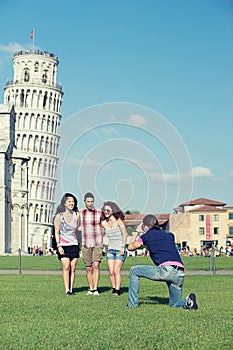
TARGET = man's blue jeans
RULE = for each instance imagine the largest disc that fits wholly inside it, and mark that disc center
(174, 279)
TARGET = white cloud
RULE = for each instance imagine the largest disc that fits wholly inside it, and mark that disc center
(217, 179)
(91, 163)
(144, 165)
(137, 119)
(72, 162)
(109, 131)
(201, 172)
(88, 163)
(159, 177)
(112, 118)
(11, 48)
(173, 179)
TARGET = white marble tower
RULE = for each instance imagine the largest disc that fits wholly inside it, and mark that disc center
(37, 99)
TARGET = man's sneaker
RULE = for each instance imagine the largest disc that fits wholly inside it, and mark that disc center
(191, 302)
(90, 292)
(96, 292)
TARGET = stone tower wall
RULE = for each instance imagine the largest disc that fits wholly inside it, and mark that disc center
(37, 98)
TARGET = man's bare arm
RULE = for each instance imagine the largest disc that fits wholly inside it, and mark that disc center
(134, 244)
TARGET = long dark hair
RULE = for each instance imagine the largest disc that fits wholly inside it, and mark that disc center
(116, 211)
(61, 207)
(151, 222)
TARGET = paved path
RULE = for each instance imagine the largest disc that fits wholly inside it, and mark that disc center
(82, 272)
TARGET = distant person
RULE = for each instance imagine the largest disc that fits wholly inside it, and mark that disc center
(92, 242)
(169, 267)
(115, 230)
(66, 225)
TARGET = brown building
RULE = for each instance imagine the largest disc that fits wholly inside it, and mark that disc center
(198, 223)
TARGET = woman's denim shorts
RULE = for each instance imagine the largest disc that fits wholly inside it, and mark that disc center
(114, 254)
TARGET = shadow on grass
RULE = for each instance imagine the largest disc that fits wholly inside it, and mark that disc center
(154, 300)
(101, 289)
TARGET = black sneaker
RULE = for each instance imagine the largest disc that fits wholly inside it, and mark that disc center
(117, 292)
(191, 302)
(69, 293)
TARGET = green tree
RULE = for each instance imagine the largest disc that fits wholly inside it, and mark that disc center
(132, 212)
(129, 230)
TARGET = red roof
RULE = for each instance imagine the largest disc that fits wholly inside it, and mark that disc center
(136, 219)
(203, 201)
(207, 208)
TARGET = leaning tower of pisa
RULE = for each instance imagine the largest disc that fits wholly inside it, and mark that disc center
(37, 98)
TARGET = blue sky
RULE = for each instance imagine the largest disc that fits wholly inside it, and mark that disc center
(148, 95)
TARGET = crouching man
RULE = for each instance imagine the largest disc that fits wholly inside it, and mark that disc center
(169, 267)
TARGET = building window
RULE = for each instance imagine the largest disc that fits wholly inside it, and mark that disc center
(216, 230)
(26, 75)
(230, 216)
(36, 67)
(45, 99)
(231, 231)
(201, 230)
(44, 77)
(216, 217)
(201, 217)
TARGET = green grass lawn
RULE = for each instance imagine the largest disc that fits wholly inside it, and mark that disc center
(48, 263)
(36, 314)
